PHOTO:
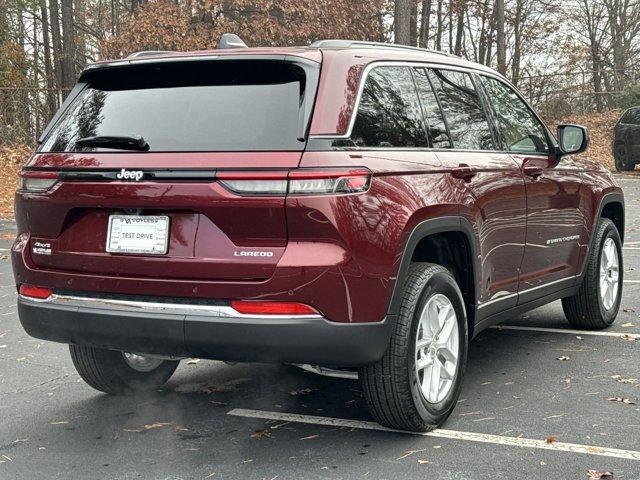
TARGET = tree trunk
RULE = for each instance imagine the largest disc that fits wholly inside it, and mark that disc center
(68, 45)
(424, 23)
(501, 47)
(439, 26)
(462, 7)
(57, 43)
(48, 68)
(81, 41)
(402, 22)
(413, 24)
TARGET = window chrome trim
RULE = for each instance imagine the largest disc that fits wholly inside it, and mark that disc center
(386, 63)
(220, 311)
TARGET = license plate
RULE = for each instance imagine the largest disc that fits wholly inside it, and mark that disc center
(148, 234)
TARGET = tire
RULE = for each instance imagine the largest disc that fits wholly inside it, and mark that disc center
(392, 385)
(621, 157)
(587, 309)
(109, 371)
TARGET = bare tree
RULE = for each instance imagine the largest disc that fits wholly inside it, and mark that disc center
(402, 22)
(501, 46)
(68, 45)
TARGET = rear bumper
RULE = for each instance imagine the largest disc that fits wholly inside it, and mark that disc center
(214, 332)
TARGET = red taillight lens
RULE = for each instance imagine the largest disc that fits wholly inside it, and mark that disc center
(34, 181)
(33, 291)
(272, 308)
(254, 183)
(297, 182)
(318, 182)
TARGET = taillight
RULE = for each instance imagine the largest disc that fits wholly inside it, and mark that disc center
(297, 182)
(254, 183)
(250, 307)
(37, 182)
(33, 291)
(315, 182)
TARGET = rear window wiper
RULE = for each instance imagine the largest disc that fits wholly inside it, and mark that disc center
(121, 142)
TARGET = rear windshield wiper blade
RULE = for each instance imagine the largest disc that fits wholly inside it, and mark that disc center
(121, 142)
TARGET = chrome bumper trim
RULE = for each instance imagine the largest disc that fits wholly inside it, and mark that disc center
(220, 311)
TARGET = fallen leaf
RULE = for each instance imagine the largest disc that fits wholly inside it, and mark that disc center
(261, 434)
(628, 325)
(301, 391)
(578, 337)
(628, 310)
(629, 336)
(411, 452)
(61, 422)
(598, 475)
(551, 439)
(423, 462)
(620, 379)
(621, 400)
(310, 437)
(193, 361)
(563, 358)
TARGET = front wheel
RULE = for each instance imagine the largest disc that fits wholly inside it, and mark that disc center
(596, 304)
(115, 372)
(417, 382)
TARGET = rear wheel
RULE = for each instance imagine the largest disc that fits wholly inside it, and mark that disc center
(416, 384)
(115, 372)
(596, 304)
(622, 160)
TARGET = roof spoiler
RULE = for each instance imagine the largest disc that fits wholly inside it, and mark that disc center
(230, 40)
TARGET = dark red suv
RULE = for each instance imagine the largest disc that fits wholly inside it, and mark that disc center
(345, 205)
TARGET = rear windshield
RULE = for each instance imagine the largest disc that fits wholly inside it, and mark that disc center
(189, 106)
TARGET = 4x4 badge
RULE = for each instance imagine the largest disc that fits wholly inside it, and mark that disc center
(135, 175)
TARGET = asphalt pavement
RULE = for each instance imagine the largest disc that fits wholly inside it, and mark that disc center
(539, 401)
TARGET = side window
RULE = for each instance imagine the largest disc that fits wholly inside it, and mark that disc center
(389, 113)
(435, 122)
(520, 130)
(466, 119)
(632, 117)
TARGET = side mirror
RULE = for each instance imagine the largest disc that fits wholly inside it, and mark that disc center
(573, 138)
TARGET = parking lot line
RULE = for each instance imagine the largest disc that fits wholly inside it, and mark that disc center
(631, 281)
(441, 433)
(566, 330)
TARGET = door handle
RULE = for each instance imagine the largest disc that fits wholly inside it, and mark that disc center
(465, 172)
(533, 172)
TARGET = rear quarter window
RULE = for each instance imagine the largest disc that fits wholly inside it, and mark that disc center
(389, 113)
(190, 106)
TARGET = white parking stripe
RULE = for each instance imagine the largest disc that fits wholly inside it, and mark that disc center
(631, 281)
(441, 433)
(566, 330)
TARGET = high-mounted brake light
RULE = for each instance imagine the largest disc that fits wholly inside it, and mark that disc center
(250, 307)
(297, 182)
(33, 291)
(37, 182)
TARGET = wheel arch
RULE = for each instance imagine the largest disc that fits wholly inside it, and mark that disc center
(435, 240)
(612, 207)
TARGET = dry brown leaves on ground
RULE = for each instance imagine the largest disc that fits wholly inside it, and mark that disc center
(11, 160)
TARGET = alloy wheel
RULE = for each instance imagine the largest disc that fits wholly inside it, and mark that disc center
(437, 347)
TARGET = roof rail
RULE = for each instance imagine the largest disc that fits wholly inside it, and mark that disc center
(148, 53)
(336, 43)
